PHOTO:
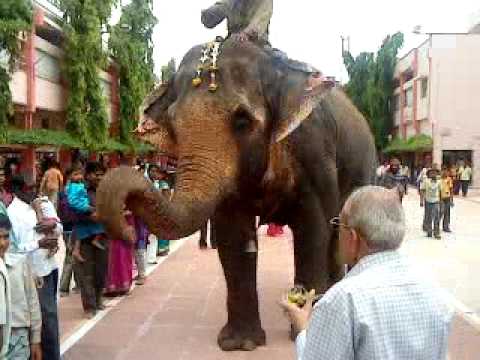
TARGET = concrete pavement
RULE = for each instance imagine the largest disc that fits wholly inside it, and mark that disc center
(454, 260)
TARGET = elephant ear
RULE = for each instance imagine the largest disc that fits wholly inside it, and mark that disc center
(154, 126)
(156, 107)
(292, 103)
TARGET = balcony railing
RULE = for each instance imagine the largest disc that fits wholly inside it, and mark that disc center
(55, 3)
(52, 6)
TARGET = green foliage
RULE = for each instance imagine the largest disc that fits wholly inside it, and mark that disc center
(5, 103)
(70, 8)
(168, 71)
(43, 137)
(15, 17)
(132, 48)
(86, 113)
(415, 143)
(371, 85)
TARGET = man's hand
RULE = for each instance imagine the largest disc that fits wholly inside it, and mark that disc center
(299, 316)
(35, 352)
(48, 243)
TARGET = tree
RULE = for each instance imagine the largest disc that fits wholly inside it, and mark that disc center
(371, 85)
(168, 71)
(132, 47)
(86, 112)
(15, 17)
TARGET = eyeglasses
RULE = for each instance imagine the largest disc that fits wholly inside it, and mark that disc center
(336, 223)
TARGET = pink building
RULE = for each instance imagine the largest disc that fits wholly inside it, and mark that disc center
(39, 92)
(437, 96)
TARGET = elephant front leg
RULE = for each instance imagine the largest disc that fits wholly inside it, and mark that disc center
(236, 241)
(314, 247)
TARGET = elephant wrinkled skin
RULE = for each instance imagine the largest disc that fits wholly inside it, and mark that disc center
(256, 146)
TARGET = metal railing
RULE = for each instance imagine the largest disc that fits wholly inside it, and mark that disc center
(55, 3)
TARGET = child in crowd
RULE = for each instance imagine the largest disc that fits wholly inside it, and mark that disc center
(24, 309)
(5, 301)
(141, 250)
(159, 179)
(79, 201)
(446, 190)
(431, 190)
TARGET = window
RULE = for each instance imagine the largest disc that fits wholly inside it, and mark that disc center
(48, 66)
(408, 95)
(4, 58)
(55, 3)
(396, 103)
(424, 87)
(45, 123)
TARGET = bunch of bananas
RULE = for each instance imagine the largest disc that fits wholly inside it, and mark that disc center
(297, 295)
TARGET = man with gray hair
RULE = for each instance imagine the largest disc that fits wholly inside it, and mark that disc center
(380, 310)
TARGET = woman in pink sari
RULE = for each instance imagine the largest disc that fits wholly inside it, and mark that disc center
(120, 266)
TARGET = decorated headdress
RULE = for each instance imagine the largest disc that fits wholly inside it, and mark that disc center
(209, 62)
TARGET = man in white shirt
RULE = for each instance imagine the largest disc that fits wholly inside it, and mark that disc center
(5, 296)
(465, 174)
(381, 310)
(26, 317)
(25, 240)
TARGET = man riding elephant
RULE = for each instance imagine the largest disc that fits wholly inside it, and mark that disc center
(249, 20)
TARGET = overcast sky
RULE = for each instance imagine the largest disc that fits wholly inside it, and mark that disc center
(310, 30)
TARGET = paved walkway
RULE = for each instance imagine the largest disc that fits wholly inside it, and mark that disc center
(180, 310)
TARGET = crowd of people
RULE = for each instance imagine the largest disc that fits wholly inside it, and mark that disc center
(50, 239)
(436, 187)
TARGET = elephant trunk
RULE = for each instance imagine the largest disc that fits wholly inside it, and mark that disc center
(168, 219)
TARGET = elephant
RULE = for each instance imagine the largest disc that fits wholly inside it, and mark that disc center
(256, 146)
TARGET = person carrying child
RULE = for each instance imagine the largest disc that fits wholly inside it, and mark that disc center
(79, 201)
(89, 251)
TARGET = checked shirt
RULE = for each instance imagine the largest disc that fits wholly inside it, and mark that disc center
(380, 310)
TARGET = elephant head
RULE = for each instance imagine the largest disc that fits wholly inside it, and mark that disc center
(223, 139)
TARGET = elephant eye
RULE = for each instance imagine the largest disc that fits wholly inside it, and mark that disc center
(242, 121)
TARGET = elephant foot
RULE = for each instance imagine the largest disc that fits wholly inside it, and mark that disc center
(231, 339)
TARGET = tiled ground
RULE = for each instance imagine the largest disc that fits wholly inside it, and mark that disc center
(178, 313)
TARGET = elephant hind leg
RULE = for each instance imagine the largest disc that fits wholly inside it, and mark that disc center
(243, 330)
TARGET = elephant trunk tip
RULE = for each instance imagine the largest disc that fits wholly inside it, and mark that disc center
(112, 194)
